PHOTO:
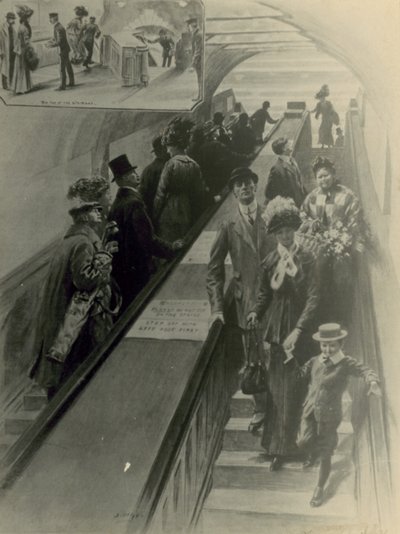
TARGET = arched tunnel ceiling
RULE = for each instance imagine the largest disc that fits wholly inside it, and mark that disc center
(232, 36)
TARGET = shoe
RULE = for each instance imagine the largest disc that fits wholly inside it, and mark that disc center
(317, 498)
(71, 85)
(276, 464)
(61, 88)
(256, 423)
(310, 462)
(91, 62)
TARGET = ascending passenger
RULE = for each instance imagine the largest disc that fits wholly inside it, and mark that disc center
(76, 294)
(180, 197)
(132, 264)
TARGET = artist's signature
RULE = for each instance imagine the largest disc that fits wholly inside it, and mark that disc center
(127, 515)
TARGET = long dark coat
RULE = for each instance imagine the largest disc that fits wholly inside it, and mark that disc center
(137, 242)
(71, 269)
(325, 109)
(285, 180)
(149, 181)
(180, 197)
(293, 305)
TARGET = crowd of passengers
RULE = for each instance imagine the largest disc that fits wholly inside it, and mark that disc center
(294, 260)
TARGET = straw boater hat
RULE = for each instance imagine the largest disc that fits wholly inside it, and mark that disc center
(330, 332)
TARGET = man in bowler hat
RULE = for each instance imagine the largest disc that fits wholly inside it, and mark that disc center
(244, 237)
(60, 41)
(7, 54)
(132, 264)
(197, 52)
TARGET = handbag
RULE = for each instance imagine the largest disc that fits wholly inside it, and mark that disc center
(253, 376)
(31, 58)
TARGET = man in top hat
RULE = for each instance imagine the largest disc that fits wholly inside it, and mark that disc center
(89, 33)
(60, 40)
(197, 52)
(258, 120)
(7, 54)
(327, 376)
(285, 178)
(81, 262)
(151, 175)
(137, 243)
(221, 133)
(244, 237)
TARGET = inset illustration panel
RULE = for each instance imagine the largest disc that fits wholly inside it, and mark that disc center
(125, 54)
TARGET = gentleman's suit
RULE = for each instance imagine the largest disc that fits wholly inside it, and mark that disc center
(137, 243)
(247, 246)
(197, 57)
(285, 180)
(322, 409)
(60, 40)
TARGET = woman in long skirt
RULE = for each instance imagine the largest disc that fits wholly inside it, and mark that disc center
(288, 297)
(328, 117)
(74, 35)
(22, 81)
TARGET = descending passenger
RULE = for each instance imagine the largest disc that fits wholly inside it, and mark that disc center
(327, 375)
(77, 296)
(137, 242)
(285, 178)
(221, 133)
(329, 117)
(243, 138)
(339, 141)
(151, 175)
(331, 213)
(215, 159)
(258, 120)
(288, 296)
(244, 237)
(180, 197)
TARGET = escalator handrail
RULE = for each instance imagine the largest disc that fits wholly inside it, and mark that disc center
(17, 456)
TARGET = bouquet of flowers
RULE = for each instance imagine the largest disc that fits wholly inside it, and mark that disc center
(337, 241)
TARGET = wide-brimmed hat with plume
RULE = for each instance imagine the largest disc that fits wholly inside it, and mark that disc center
(81, 11)
(89, 189)
(24, 11)
(281, 212)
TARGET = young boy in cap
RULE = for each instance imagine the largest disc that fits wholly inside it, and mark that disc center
(328, 375)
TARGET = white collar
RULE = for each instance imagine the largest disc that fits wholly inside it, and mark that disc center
(283, 251)
(287, 159)
(248, 209)
(335, 359)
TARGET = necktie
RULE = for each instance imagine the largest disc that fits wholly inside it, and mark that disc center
(327, 361)
(250, 217)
